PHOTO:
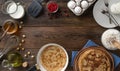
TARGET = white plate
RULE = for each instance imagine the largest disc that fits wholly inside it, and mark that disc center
(19, 13)
(110, 33)
(102, 19)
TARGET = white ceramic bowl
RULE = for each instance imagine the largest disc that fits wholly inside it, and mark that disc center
(19, 13)
(45, 46)
(110, 33)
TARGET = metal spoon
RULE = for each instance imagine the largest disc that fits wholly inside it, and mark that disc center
(107, 8)
(110, 16)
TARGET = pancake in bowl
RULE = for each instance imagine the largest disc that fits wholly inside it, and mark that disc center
(53, 58)
(94, 59)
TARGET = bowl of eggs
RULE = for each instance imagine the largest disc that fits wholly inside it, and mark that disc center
(79, 6)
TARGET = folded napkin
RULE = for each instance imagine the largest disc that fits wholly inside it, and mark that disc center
(91, 43)
(35, 8)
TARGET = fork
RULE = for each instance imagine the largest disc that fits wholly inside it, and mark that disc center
(110, 17)
(107, 5)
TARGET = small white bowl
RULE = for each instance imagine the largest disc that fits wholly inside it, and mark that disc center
(19, 13)
(40, 52)
(110, 33)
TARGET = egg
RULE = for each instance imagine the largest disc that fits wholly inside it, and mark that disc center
(84, 4)
(71, 4)
(77, 10)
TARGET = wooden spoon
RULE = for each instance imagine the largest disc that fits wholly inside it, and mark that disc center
(116, 43)
(4, 33)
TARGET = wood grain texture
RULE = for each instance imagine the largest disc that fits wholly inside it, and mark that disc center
(70, 32)
(62, 20)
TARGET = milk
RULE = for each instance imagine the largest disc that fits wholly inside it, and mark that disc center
(11, 8)
(15, 11)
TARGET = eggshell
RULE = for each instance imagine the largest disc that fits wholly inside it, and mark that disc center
(84, 4)
(77, 10)
(71, 4)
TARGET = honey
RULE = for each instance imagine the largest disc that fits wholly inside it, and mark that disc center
(13, 26)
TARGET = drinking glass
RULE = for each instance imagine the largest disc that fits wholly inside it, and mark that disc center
(9, 7)
(14, 59)
(6, 64)
(15, 8)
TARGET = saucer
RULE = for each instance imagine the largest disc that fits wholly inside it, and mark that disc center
(19, 13)
(102, 19)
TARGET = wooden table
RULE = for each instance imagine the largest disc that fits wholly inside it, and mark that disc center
(71, 32)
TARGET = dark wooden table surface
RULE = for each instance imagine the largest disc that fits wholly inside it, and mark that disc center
(71, 32)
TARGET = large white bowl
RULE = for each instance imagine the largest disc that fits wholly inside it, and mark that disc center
(40, 51)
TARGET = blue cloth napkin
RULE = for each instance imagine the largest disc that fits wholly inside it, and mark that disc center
(91, 43)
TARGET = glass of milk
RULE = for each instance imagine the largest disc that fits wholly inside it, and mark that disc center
(14, 9)
(9, 7)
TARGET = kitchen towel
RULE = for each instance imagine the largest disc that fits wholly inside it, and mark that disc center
(91, 43)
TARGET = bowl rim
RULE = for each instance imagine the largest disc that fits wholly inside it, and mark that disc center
(15, 24)
(93, 47)
(52, 2)
(45, 46)
(22, 7)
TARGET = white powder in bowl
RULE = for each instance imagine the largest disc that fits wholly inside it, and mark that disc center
(115, 8)
(107, 35)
